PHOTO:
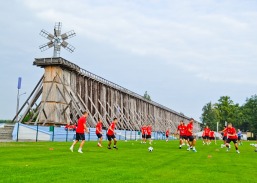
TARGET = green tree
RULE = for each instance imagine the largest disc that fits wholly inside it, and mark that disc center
(146, 96)
(249, 110)
(227, 110)
(209, 116)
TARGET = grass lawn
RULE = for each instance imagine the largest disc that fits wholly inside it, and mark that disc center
(53, 162)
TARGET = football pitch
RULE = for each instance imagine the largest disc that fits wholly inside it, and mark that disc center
(54, 162)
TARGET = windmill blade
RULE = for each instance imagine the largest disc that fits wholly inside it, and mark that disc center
(68, 35)
(68, 46)
(46, 34)
(46, 46)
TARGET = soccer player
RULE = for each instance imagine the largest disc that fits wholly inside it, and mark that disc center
(143, 131)
(149, 134)
(167, 133)
(99, 132)
(111, 134)
(190, 137)
(224, 132)
(206, 135)
(181, 130)
(232, 136)
(211, 136)
(80, 132)
(239, 135)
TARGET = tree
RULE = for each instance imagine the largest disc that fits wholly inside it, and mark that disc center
(209, 116)
(243, 117)
(249, 110)
(146, 96)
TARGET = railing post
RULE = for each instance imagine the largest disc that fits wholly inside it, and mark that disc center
(17, 132)
(37, 133)
(53, 135)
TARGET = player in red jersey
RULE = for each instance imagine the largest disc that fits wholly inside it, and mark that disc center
(232, 136)
(111, 134)
(143, 131)
(149, 133)
(211, 136)
(224, 138)
(80, 132)
(181, 130)
(99, 132)
(190, 137)
(206, 135)
(167, 133)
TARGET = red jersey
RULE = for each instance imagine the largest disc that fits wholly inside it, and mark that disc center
(149, 130)
(98, 127)
(111, 129)
(211, 134)
(167, 133)
(143, 130)
(232, 133)
(190, 129)
(81, 122)
(182, 130)
(206, 132)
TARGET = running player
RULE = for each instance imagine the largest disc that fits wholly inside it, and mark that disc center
(232, 136)
(224, 138)
(206, 135)
(80, 132)
(211, 136)
(149, 134)
(239, 135)
(181, 130)
(167, 133)
(190, 137)
(111, 134)
(99, 132)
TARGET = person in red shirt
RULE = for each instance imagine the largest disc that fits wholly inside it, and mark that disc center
(143, 131)
(111, 134)
(206, 135)
(232, 136)
(99, 132)
(224, 133)
(149, 133)
(80, 132)
(190, 137)
(181, 130)
(167, 133)
(211, 135)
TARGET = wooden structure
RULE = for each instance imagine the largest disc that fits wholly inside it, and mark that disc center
(66, 90)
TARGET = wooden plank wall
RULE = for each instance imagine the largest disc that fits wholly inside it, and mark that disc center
(106, 102)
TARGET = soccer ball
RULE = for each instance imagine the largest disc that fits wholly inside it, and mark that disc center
(150, 149)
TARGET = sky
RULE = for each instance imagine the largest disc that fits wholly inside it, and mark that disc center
(184, 53)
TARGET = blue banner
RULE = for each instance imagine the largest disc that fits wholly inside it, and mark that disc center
(19, 83)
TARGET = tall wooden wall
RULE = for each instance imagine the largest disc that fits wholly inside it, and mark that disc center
(103, 99)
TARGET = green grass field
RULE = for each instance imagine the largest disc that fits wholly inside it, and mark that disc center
(53, 162)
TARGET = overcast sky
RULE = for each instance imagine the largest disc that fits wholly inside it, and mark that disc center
(184, 53)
